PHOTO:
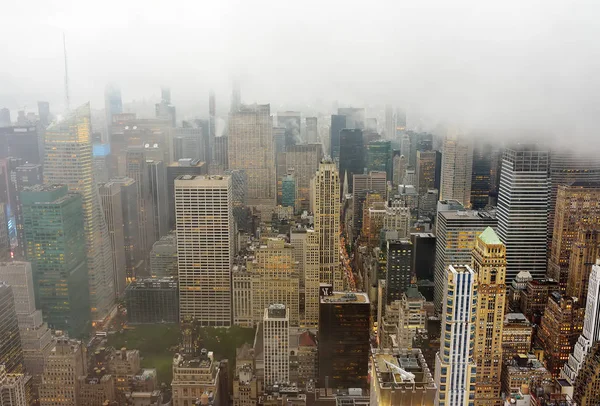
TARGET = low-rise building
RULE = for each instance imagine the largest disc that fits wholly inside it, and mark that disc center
(96, 388)
(12, 389)
(196, 378)
(516, 336)
(152, 301)
(524, 369)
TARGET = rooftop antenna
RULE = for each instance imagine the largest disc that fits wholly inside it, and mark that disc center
(67, 104)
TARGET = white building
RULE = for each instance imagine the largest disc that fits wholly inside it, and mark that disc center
(204, 248)
(457, 166)
(12, 389)
(276, 351)
(455, 367)
(591, 327)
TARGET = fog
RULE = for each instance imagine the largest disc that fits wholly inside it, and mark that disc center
(500, 66)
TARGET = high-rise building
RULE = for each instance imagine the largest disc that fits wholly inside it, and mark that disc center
(489, 265)
(25, 175)
(426, 170)
(577, 209)
(591, 328)
(363, 184)
(5, 248)
(586, 391)
(68, 138)
(288, 191)
(561, 325)
(565, 167)
(239, 199)
(303, 162)
(189, 143)
(457, 166)
(185, 166)
(12, 389)
(338, 123)
(204, 248)
(276, 337)
(236, 97)
(455, 367)
(584, 252)
(379, 157)
(251, 149)
(344, 348)
(290, 120)
(158, 195)
(55, 245)
(163, 257)
(412, 317)
(352, 154)
(134, 256)
(325, 195)
(207, 387)
(456, 236)
(165, 110)
(399, 268)
(355, 117)
(112, 204)
(523, 210)
(11, 351)
(65, 364)
(152, 300)
(312, 130)
(517, 333)
(137, 169)
(113, 104)
(20, 142)
(4, 117)
(310, 270)
(423, 255)
(481, 180)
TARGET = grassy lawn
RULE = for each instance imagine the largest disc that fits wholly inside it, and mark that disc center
(157, 344)
(224, 341)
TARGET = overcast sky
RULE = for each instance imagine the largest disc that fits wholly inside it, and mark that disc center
(502, 64)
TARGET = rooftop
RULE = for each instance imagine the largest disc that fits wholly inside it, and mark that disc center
(490, 237)
(346, 297)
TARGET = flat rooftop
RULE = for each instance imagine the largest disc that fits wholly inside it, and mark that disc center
(346, 297)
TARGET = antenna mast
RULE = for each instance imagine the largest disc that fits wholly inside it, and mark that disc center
(67, 103)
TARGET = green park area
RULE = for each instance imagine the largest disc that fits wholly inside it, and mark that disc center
(159, 342)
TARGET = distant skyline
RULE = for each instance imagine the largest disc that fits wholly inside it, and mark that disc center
(502, 65)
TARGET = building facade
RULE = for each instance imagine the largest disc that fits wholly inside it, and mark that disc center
(457, 166)
(60, 383)
(276, 351)
(152, 300)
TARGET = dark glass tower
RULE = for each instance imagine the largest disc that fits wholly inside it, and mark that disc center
(338, 123)
(481, 181)
(399, 268)
(352, 154)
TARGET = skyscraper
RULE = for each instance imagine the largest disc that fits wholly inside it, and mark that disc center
(276, 337)
(288, 191)
(399, 268)
(113, 104)
(426, 170)
(158, 195)
(325, 195)
(577, 209)
(523, 210)
(174, 170)
(455, 368)
(312, 130)
(112, 204)
(489, 265)
(456, 236)
(12, 389)
(585, 251)
(352, 153)
(457, 166)
(481, 181)
(204, 248)
(379, 157)
(11, 352)
(212, 128)
(303, 162)
(338, 123)
(55, 245)
(66, 363)
(137, 169)
(586, 391)
(65, 140)
(251, 149)
(373, 182)
(290, 120)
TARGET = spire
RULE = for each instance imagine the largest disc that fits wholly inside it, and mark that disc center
(67, 101)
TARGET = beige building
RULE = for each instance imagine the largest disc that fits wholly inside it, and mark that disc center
(195, 378)
(241, 284)
(276, 344)
(489, 263)
(516, 336)
(412, 317)
(60, 382)
(251, 148)
(12, 389)
(303, 162)
(96, 388)
(325, 197)
(457, 166)
(205, 244)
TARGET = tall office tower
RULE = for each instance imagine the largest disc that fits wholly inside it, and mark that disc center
(303, 161)
(399, 167)
(405, 147)
(65, 364)
(204, 248)
(152, 300)
(312, 130)
(189, 143)
(134, 256)
(325, 195)
(390, 123)
(379, 157)
(137, 169)
(113, 104)
(251, 149)
(290, 120)
(163, 257)
(165, 110)
(399, 268)
(561, 325)
(276, 343)
(455, 368)
(12, 389)
(55, 245)
(288, 192)
(5, 249)
(102, 162)
(577, 209)
(566, 167)
(185, 166)
(344, 348)
(112, 204)
(221, 159)
(11, 352)
(274, 279)
(456, 236)
(457, 166)
(26, 175)
(412, 317)
(5, 119)
(585, 250)
(355, 117)
(352, 153)
(489, 265)
(423, 255)
(310, 271)
(20, 142)
(158, 195)
(373, 182)
(523, 210)
(338, 123)
(36, 337)
(425, 171)
(71, 137)
(212, 128)
(44, 113)
(586, 391)
(481, 180)
(591, 328)
(239, 199)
